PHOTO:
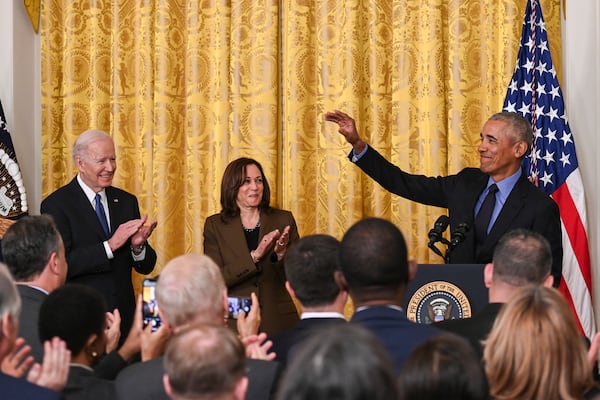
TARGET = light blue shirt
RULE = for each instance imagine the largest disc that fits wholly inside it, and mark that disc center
(505, 186)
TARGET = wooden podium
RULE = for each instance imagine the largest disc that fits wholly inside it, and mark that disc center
(445, 291)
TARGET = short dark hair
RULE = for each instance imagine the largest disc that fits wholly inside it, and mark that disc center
(72, 312)
(341, 362)
(204, 360)
(443, 367)
(310, 265)
(373, 256)
(28, 244)
(522, 257)
(233, 179)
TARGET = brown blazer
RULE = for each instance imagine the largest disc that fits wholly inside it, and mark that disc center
(226, 244)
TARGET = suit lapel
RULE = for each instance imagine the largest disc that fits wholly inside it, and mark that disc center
(88, 212)
(512, 208)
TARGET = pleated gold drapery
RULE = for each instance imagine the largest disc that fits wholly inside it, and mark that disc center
(184, 87)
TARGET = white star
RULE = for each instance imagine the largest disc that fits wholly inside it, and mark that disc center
(537, 133)
(554, 92)
(553, 113)
(551, 136)
(513, 86)
(548, 157)
(566, 138)
(530, 43)
(542, 25)
(543, 46)
(564, 118)
(524, 110)
(526, 87)
(535, 156)
(541, 68)
(564, 159)
(547, 178)
(528, 65)
(510, 107)
(539, 110)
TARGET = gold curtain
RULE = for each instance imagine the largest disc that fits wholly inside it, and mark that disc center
(184, 87)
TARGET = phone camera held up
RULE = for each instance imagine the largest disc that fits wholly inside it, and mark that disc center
(238, 305)
(150, 307)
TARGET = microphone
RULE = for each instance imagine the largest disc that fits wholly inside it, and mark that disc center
(458, 235)
(435, 234)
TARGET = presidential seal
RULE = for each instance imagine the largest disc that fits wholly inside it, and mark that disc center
(438, 301)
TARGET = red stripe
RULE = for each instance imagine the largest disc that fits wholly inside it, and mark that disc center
(575, 230)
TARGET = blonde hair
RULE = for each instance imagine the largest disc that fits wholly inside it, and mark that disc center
(535, 350)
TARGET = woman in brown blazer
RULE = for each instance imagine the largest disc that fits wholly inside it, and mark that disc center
(248, 240)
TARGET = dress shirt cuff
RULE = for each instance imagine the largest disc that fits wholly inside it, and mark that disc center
(108, 251)
(139, 257)
(356, 157)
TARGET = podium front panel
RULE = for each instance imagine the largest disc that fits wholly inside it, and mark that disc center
(445, 291)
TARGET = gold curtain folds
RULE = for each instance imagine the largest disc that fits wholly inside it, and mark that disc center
(184, 87)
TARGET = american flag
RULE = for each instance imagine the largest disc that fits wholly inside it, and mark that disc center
(534, 92)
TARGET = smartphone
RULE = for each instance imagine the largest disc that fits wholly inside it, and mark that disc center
(237, 305)
(149, 305)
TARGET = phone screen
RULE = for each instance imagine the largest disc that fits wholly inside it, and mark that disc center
(239, 304)
(149, 306)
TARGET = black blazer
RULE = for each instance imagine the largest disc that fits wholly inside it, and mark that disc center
(20, 389)
(285, 343)
(82, 384)
(31, 301)
(83, 236)
(526, 206)
(142, 381)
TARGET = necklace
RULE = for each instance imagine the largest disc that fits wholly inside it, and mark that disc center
(252, 229)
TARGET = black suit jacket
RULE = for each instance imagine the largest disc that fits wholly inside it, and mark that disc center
(31, 301)
(83, 237)
(476, 328)
(526, 206)
(84, 385)
(285, 343)
(19, 389)
(142, 381)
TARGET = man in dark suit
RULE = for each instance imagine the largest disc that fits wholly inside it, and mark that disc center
(506, 138)
(375, 270)
(35, 255)
(521, 258)
(191, 290)
(49, 375)
(103, 233)
(310, 266)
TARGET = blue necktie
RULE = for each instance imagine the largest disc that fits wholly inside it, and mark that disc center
(102, 215)
(482, 220)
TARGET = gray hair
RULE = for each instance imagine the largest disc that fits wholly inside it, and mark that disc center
(10, 301)
(190, 289)
(84, 140)
(517, 125)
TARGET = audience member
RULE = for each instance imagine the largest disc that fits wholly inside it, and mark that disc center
(100, 224)
(512, 201)
(375, 269)
(205, 362)
(76, 314)
(35, 255)
(444, 367)
(51, 375)
(248, 240)
(521, 258)
(191, 290)
(534, 350)
(310, 266)
(344, 362)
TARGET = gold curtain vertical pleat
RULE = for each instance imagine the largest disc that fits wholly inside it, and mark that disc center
(185, 86)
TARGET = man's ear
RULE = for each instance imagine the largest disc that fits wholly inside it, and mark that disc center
(340, 279)
(488, 275)
(241, 387)
(412, 269)
(167, 386)
(290, 290)
(53, 264)
(549, 281)
(520, 149)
